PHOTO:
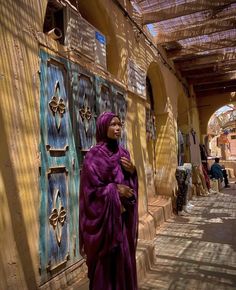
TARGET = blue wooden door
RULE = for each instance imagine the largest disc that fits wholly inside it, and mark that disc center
(84, 115)
(59, 178)
(104, 96)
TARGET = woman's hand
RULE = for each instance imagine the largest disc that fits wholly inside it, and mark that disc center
(127, 165)
(124, 190)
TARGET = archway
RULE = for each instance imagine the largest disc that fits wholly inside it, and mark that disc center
(158, 88)
(155, 106)
(207, 105)
(183, 128)
(221, 132)
(160, 149)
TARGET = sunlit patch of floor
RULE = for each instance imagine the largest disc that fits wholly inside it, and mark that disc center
(197, 251)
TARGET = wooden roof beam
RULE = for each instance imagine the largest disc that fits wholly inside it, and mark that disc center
(212, 79)
(205, 51)
(216, 91)
(215, 86)
(207, 67)
(212, 70)
(216, 56)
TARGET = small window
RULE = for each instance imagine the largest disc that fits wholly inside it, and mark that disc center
(150, 115)
(54, 19)
(149, 93)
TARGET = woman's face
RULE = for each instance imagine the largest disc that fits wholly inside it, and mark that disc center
(114, 129)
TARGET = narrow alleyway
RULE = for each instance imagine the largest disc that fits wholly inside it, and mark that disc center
(197, 251)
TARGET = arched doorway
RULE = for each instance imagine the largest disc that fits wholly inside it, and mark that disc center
(221, 132)
(183, 129)
(159, 147)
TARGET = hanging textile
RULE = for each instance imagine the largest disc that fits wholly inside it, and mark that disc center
(180, 148)
(194, 148)
(181, 177)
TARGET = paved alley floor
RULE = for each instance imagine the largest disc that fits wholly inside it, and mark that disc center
(197, 251)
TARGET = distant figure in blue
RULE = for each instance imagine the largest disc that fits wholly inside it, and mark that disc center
(219, 172)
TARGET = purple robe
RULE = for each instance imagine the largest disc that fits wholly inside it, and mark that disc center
(108, 238)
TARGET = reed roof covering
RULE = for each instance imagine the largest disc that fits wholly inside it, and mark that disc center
(199, 36)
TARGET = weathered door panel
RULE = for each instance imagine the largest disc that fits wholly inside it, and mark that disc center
(59, 178)
(104, 96)
(84, 115)
(58, 215)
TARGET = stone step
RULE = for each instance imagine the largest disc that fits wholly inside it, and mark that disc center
(161, 209)
(144, 258)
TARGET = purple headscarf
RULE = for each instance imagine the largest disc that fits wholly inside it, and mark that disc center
(108, 237)
(102, 125)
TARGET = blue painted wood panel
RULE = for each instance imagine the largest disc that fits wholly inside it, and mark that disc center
(84, 114)
(57, 107)
(104, 96)
(71, 98)
(59, 174)
(58, 214)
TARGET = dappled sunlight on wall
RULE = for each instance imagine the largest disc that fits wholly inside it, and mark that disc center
(123, 65)
(136, 133)
(20, 209)
(183, 113)
(193, 116)
(19, 165)
(166, 154)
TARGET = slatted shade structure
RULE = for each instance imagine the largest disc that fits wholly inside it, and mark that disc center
(199, 36)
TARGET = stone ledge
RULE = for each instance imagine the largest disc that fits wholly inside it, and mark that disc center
(74, 274)
(160, 208)
(146, 227)
(158, 215)
(159, 211)
(144, 258)
(230, 172)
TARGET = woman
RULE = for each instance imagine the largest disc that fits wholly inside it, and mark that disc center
(108, 210)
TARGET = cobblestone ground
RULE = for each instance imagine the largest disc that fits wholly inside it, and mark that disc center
(197, 251)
